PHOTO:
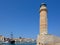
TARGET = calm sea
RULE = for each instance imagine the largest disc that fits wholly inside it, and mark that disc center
(21, 44)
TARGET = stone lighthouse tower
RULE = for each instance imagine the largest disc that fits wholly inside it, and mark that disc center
(43, 19)
(43, 24)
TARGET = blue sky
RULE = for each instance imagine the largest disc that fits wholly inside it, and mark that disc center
(22, 17)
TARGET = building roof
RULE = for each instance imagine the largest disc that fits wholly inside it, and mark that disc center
(43, 4)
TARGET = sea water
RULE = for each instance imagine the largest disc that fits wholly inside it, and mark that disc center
(20, 44)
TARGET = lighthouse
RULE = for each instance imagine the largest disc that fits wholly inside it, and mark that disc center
(43, 19)
(43, 24)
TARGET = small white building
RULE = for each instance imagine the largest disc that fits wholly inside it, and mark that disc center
(1, 38)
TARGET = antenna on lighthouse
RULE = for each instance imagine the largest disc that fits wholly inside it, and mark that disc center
(44, 1)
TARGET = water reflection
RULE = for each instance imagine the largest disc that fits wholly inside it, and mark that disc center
(19, 44)
(7, 44)
(1, 44)
(11, 44)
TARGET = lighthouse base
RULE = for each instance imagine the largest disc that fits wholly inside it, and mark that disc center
(48, 40)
